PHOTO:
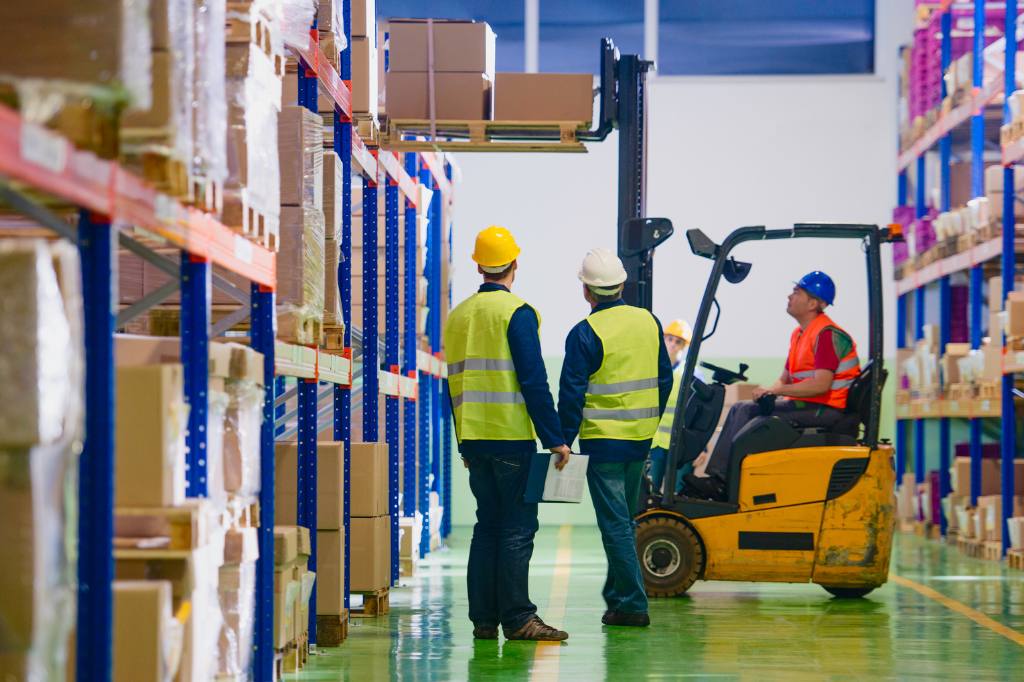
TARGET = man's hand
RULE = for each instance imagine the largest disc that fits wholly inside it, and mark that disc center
(563, 453)
(465, 463)
(759, 391)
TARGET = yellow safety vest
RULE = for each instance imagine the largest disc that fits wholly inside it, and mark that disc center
(485, 392)
(622, 395)
(663, 438)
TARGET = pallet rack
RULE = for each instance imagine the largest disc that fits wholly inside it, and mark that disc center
(938, 275)
(112, 202)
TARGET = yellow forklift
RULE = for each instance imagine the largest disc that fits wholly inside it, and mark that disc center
(804, 504)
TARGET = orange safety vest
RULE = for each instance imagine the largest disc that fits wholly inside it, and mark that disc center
(801, 362)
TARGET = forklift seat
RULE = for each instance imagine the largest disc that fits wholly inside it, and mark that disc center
(766, 434)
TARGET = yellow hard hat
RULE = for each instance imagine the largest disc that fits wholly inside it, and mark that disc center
(495, 246)
(680, 328)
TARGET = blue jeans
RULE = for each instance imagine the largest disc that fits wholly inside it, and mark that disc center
(614, 488)
(656, 462)
(498, 574)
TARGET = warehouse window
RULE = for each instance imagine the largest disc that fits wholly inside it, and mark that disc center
(754, 37)
(506, 18)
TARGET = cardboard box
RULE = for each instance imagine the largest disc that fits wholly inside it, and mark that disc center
(286, 592)
(457, 96)
(459, 46)
(369, 479)
(333, 315)
(300, 145)
(371, 553)
(144, 631)
(150, 424)
(330, 490)
(241, 545)
(544, 97)
(363, 18)
(991, 477)
(304, 546)
(364, 76)
(330, 570)
(300, 261)
(286, 544)
(1014, 317)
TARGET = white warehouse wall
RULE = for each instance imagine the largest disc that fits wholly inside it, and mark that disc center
(723, 152)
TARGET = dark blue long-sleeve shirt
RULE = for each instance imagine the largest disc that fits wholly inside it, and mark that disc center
(583, 357)
(524, 343)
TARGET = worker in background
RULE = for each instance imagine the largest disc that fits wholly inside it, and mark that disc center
(677, 339)
(501, 402)
(821, 365)
(615, 383)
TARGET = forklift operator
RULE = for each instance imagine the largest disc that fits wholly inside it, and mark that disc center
(812, 390)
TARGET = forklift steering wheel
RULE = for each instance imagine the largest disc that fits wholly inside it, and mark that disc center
(725, 376)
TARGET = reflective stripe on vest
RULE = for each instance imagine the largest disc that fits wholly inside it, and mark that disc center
(622, 395)
(663, 438)
(487, 402)
(802, 344)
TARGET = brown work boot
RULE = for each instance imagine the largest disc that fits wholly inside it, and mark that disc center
(485, 632)
(536, 630)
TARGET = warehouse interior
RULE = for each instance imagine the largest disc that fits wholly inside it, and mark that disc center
(307, 303)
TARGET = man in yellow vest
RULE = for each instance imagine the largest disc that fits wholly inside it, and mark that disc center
(501, 403)
(615, 383)
(677, 340)
(821, 365)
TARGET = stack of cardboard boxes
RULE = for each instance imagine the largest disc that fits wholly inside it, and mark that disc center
(370, 522)
(40, 437)
(330, 533)
(293, 588)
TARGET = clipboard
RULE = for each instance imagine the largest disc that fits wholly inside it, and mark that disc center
(545, 483)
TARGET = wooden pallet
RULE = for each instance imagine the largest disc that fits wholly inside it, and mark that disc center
(484, 136)
(375, 604)
(250, 222)
(291, 659)
(89, 124)
(332, 630)
(334, 338)
(988, 390)
(206, 195)
(241, 513)
(960, 392)
(992, 550)
(368, 128)
(165, 173)
(301, 330)
(970, 547)
(1015, 559)
(167, 528)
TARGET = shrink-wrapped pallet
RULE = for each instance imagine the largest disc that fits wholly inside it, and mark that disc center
(242, 426)
(301, 157)
(210, 120)
(300, 284)
(237, 596)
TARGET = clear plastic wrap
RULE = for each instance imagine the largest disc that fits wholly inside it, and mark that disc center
(166, 128)
(200, 659)
(300, 142)
(332, 297)
(109, 55)
(331, 19)
(300, 283)
(211, 113)
(237, 595)
(216, 412)
(242, 424)
(294, 19)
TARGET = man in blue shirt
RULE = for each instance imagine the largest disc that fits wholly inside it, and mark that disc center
(500, 402)
(616, 379)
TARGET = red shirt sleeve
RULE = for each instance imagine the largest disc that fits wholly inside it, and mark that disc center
(825, 352)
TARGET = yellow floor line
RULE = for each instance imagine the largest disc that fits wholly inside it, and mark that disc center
(545, 657)
(961, 608)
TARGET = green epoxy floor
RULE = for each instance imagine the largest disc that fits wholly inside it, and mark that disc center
(721, 631)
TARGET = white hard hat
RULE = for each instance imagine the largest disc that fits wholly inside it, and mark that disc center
(602, 269)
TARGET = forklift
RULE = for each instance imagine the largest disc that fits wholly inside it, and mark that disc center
(804, 504)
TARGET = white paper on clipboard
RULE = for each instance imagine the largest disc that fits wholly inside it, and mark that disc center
(566, 485)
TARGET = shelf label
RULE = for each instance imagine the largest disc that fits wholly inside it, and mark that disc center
(43, 148)
(243, 249)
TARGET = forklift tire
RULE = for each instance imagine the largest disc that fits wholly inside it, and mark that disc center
(671, 555)
(848, 592)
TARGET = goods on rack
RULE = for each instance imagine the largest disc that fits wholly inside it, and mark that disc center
(330, 23)
(148, 637)
(41, 428)
(544, 97)
(237, 597)
(370, 522)
(293, 588)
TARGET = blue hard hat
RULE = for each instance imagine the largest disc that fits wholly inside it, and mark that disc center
(819, 285)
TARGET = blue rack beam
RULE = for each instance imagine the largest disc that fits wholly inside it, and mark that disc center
(96, 467)
(262, 332)
(391, 336)
(1008, 436)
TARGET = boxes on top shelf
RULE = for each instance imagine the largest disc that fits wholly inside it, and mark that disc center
(544, 97)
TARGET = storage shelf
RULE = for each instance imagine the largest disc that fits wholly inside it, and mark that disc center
(305, 362)
(947, 122)
(952, 409)
(961, 262)
(46, 161)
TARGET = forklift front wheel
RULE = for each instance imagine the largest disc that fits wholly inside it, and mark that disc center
(671, 555)
(848, 592)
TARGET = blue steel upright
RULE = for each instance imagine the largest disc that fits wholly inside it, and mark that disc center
(343, 394)
(434, 256)
(977, 190)
(901, 424)
(1008, 441)
(920, 211)
(446, 405)
(195, 360)
(425, 400)
(96, 238)
(305, 512)
(411, 278)
(263, 332)
(945, 155)
(391, 402)
(371, 363)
